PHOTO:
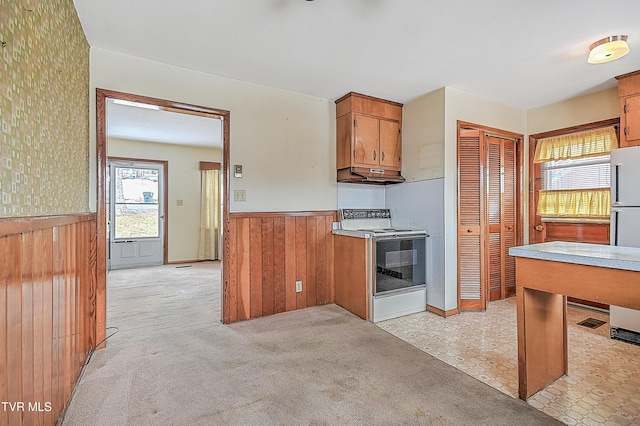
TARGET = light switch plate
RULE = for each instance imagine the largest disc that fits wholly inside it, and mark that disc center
(239, 195)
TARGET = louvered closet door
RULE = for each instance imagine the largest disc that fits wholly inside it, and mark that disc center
(501, 216)
(470, 212)
(509, 218)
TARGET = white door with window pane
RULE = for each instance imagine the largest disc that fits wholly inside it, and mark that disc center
(135, 214)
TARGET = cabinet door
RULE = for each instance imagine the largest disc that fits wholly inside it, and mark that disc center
(366, 141)
(632, 125)
(390, 145)
(344, 141)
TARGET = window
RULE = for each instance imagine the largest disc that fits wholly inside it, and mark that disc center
(575, 175)
(136, 207)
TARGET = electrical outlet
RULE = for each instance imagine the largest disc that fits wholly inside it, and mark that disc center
(298, 286)
(239, 195)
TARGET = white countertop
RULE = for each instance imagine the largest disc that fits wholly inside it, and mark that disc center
(351, 233)
(615, 257)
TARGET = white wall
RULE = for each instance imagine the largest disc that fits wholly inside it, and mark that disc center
(419, 205)
(284, 140)
(183, 183)
(360, 196)
(581, 110)
(423, 137)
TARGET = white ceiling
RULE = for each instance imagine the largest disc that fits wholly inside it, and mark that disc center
(523, 54)
(142, 124)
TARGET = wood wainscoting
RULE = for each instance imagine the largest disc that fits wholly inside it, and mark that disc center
(47, 327)
(269, 252)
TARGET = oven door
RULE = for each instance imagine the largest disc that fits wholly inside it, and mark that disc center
(398, 264)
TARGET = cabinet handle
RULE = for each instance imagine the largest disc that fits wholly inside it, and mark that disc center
(374, 155)
(469, 230)
(382, 155)
(625, 131)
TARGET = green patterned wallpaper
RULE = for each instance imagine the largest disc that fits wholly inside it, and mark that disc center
(44, 109)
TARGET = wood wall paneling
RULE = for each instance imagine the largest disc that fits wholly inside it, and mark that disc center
(13, 272)
(301, 260)
(47, 291)
(595, 233)
(255, 262)
(290, 263)
(244, 271)
(4, 327)
(268, 279)
(279, 266)
(270, 252)
(232, 300)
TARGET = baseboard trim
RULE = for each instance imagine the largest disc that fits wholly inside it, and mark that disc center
(441, 312)
(180, 262)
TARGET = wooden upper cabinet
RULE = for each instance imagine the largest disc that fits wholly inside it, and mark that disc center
(368, 133)
(390, 145)
(629, 91)
(366, 141)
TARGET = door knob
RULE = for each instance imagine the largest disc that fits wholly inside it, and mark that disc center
(539, 227)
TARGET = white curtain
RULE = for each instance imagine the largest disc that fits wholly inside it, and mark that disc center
(209, 215)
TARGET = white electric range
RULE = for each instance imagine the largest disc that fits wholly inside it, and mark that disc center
(397, 278)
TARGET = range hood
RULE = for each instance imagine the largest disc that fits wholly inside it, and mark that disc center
(370, 176)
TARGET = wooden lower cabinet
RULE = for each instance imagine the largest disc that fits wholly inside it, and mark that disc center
(351, 270)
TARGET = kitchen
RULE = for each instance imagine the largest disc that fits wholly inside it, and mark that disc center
(415, 328)
(269, 125)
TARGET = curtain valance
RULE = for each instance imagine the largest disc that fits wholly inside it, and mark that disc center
(583, 144)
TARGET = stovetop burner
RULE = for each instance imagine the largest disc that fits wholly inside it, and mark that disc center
(384, 230)
(368, 223)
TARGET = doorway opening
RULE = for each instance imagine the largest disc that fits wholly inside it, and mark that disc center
(102, 98)
(490, 213)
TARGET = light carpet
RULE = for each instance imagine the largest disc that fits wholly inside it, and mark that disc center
(173, 363)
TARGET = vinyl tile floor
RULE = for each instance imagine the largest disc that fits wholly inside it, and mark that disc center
(601, 388)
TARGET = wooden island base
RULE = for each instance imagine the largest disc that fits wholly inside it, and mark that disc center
(542, 287)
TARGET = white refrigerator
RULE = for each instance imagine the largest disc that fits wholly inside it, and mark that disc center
(625, 229)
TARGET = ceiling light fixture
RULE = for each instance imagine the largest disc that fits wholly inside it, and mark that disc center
(608, 49)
